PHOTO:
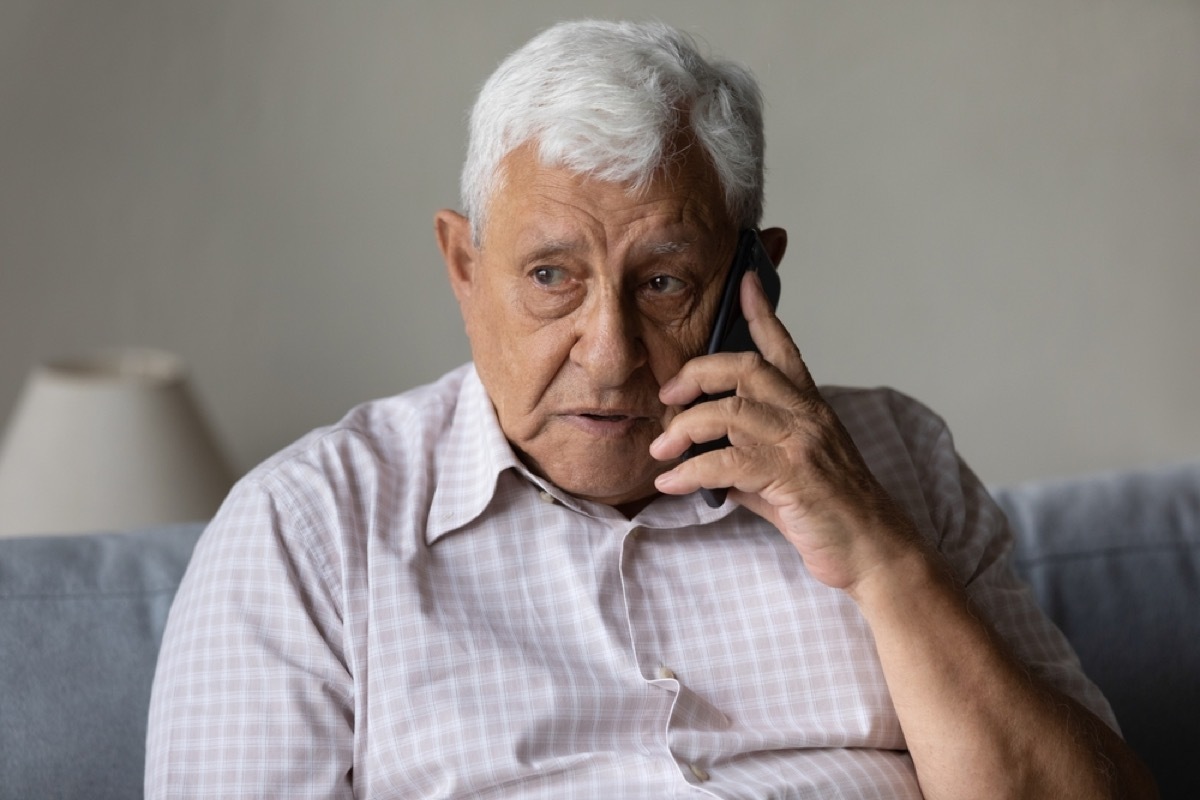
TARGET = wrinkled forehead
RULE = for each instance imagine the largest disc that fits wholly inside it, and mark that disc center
(684, 184)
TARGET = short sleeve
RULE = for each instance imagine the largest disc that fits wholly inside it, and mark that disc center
(975, 538)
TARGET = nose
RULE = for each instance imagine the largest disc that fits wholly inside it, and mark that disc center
(609, 345)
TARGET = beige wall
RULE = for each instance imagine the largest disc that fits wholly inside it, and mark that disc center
(994, 206)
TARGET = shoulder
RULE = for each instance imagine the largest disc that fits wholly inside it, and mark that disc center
(886, 422)
(879, 402)
(400, 432)
(374, 467)
(911, 452)
(323, 497)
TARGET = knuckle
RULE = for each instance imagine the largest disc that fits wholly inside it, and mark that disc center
(736, 405)
(750, 361)
(741, 459)
(811, 438)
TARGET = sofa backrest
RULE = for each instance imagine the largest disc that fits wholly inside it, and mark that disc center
(81, 619)
(1115, 562)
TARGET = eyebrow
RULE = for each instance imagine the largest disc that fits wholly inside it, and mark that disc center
(669, 248)
(554, 247)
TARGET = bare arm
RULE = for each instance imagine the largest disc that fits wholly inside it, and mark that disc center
(976, 722)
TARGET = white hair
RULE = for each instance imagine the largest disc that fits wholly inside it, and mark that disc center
(609, 100)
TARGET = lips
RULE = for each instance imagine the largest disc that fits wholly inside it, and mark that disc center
(605, 422)
(609, 414)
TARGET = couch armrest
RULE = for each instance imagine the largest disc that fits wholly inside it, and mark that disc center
(1115, 562)
(81, 620)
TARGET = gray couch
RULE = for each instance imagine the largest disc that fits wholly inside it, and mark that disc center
(1114, 558)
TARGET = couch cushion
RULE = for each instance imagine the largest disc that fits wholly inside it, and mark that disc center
(1115, 561)
(81, 618)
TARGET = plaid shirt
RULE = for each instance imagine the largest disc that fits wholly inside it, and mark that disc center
(396, 607)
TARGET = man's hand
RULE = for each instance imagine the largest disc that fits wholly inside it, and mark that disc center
(790, 459)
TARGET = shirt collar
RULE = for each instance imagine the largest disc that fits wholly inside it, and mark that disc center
(475, 453)
(470, 461)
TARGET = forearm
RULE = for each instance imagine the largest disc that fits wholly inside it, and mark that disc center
(976, 722)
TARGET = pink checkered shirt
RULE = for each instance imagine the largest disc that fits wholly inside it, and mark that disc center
(396, 607)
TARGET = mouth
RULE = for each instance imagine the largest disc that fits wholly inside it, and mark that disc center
(605, 423)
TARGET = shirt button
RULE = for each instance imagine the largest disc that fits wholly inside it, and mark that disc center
(665, 674)
(699, 772)
(546, 497)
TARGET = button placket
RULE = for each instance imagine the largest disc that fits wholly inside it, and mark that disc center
(660, 675)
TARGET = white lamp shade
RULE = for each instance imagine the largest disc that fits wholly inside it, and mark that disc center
(108, 442)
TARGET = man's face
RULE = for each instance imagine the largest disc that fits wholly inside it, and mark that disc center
(582, 300)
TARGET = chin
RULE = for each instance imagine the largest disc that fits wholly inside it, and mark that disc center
(611, 470)
(612, 486)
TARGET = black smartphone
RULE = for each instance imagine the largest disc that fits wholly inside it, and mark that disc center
(730, 332)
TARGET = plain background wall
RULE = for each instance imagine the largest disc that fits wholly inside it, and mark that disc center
(994, 206)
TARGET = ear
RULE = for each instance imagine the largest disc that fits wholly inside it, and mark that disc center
(775, 243)
(458, 251)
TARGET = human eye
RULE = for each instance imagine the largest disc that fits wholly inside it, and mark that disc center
(665, 285)
(549, 277)
(550, 291)
(666, 298)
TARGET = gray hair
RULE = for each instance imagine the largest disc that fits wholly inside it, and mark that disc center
(607, 100)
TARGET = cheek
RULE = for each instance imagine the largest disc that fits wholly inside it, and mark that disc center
(536, 356)
(518, 364)
(496, 326)
(673, 348)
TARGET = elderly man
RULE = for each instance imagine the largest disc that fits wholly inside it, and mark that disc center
(505, 585)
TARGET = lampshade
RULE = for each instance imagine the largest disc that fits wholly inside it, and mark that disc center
(108, 442)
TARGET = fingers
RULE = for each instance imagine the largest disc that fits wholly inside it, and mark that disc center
(746, 422)
(770, 335)
(768, 388)
(743, 372)
(747, 469)
(747, 374)
(774, 404)
(760, 410)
